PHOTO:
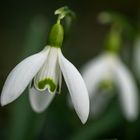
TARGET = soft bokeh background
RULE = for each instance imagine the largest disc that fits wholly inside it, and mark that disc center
(24, 27)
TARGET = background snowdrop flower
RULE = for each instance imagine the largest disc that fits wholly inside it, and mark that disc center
(43, 72)
(109, 67)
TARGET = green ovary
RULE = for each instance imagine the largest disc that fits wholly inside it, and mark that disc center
(47, 81)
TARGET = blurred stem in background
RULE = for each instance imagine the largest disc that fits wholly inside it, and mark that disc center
(128, 31)
(115, 17)
(24, 123)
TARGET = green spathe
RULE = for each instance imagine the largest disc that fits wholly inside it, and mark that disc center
(47, 81)
(56, 35)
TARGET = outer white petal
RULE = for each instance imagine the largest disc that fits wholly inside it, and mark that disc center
(127, 91)
(20, 76)
(95, 71)
(40, 100)
(76, 87)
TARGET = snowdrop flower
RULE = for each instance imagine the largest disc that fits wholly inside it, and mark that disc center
(109, 67)
(43, 73)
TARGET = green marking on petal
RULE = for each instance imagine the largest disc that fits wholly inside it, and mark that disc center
(106, 84)
(47, 81)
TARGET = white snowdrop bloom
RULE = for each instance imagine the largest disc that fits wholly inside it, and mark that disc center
(109, 67)
(43, 72)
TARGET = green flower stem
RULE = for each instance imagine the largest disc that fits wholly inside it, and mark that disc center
(114, 17)
(64, 12)
(119, 24)
(68, 17)
(113, 40)
(56, 35)
(24, 123)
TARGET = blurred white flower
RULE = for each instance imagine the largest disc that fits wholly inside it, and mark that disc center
(108, 67)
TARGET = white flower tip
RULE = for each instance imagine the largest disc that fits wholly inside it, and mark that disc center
(5, 100)
(35, 109)
(39, 100)
(3, 103)
(84, 118)
(132, 118)
(83, 111)
(132, 114)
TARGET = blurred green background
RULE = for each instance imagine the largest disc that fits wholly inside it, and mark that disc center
(24, 27)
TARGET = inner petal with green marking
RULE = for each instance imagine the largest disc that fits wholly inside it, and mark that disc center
(48, 76)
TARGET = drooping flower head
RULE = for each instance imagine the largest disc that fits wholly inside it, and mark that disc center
(110, 69)
(43, 73)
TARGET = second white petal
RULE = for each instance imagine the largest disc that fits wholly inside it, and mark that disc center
(76, 87)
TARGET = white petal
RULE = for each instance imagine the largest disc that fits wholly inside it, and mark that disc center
(95, 71)
(40, 100)
(20, 76)
(127, 91)
(76, 87)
